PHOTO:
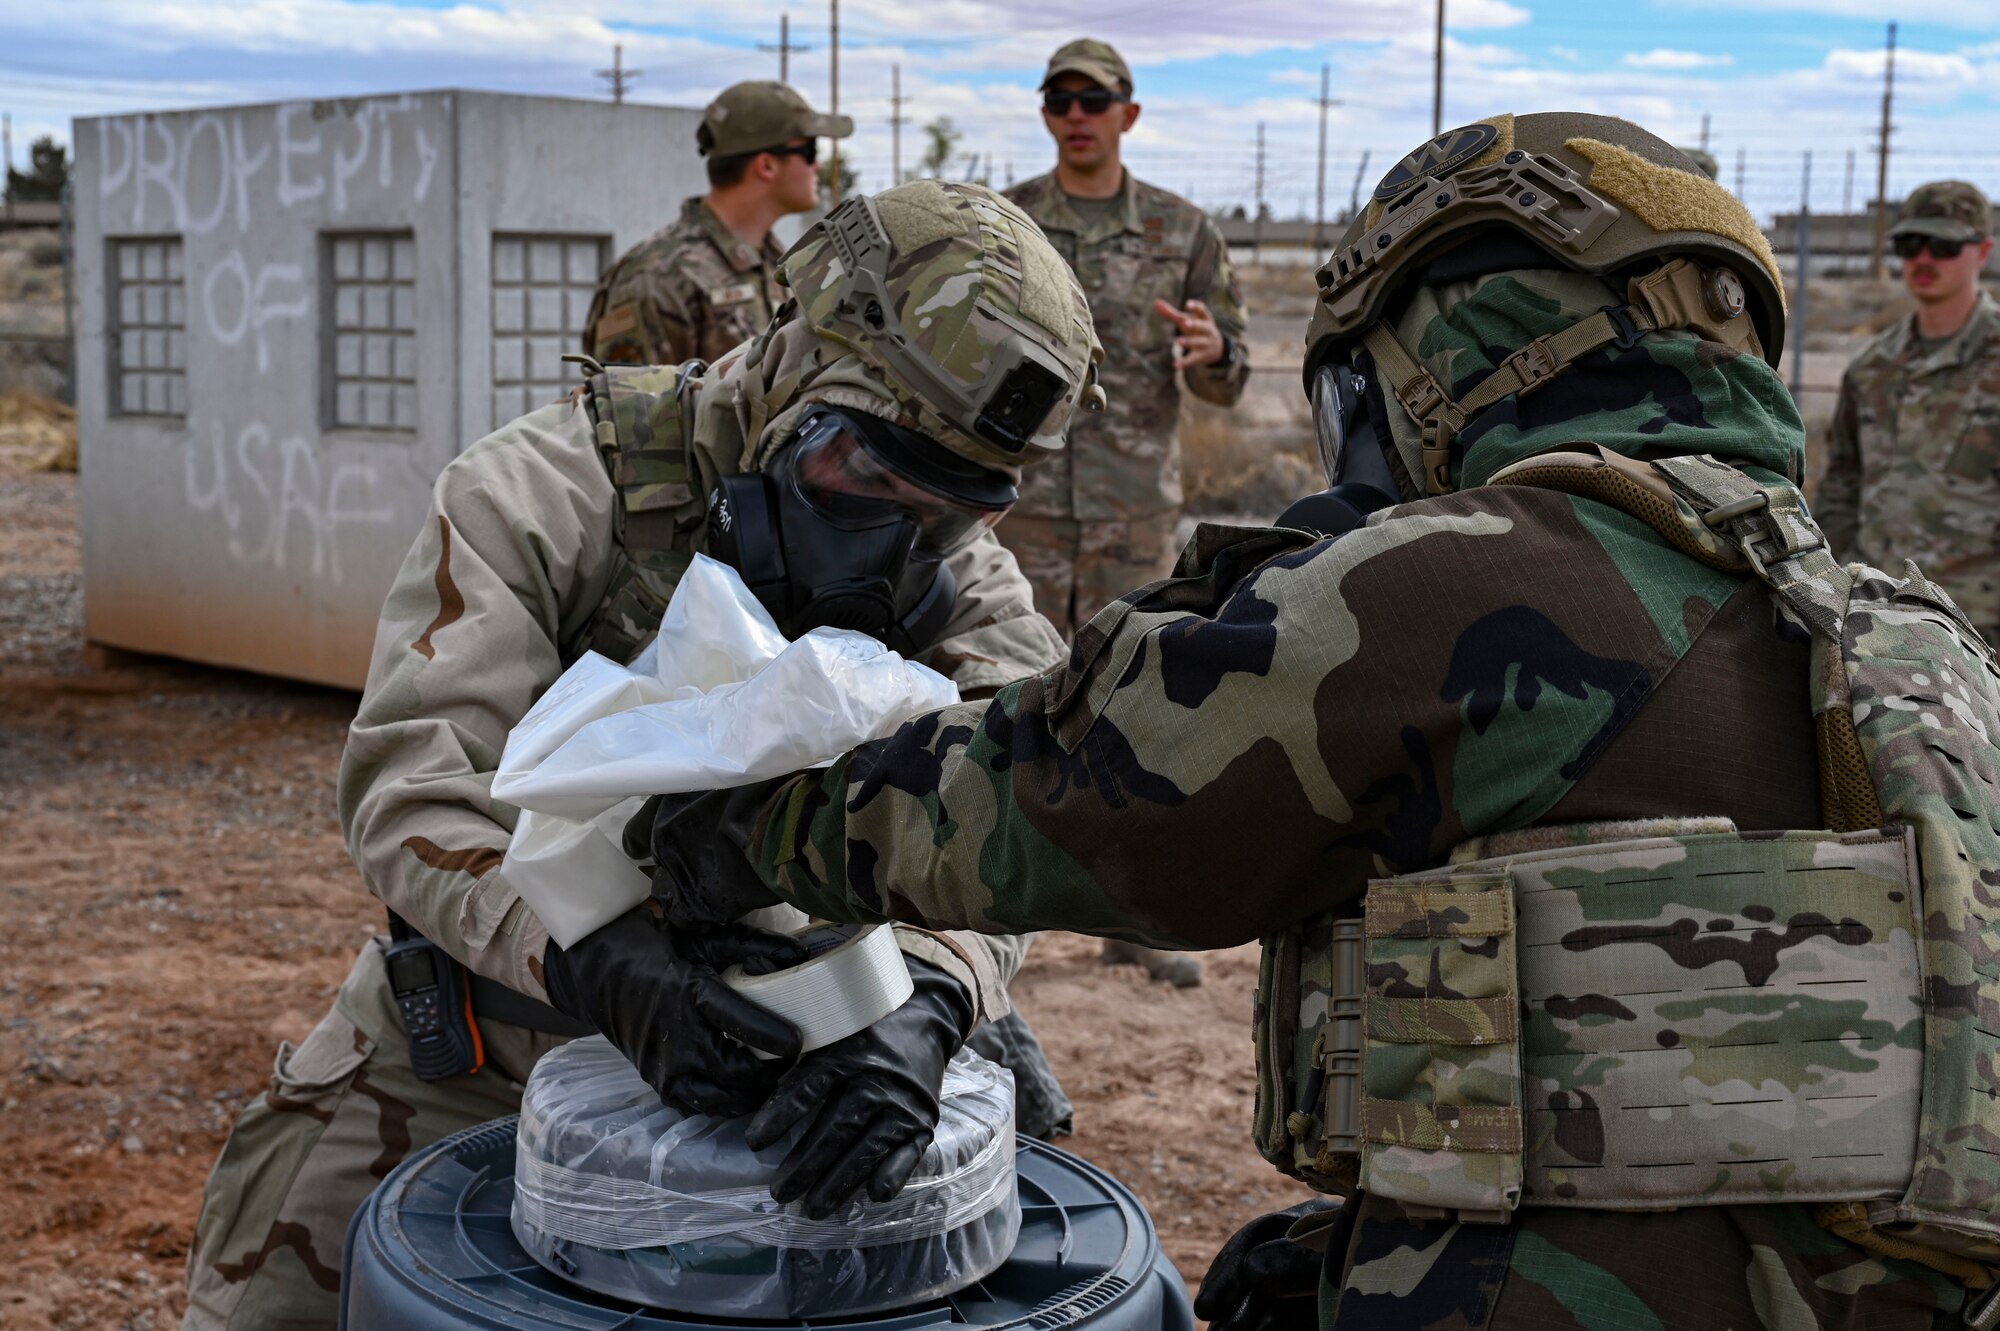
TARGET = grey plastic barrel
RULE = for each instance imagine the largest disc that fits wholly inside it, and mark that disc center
(433, 1250)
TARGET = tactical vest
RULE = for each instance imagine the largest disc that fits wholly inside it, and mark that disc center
(1675, 1013)
(642, 417)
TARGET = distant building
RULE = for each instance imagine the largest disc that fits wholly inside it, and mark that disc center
(290, 317)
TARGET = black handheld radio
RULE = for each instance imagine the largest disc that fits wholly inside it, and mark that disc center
(436, 1003)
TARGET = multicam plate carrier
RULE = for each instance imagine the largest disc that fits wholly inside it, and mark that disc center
(1677, 1013)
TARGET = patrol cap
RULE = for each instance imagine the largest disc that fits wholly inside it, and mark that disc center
(760, 115)
(1095, 60)
(1945, 210)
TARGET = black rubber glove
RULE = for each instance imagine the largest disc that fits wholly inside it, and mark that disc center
(872, 1100)
(656, 993)
(1263, 1281)
(697, 841)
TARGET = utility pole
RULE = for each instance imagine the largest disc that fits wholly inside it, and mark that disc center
(833, 49)
(896, 122)
(1704, 131)
(7, 181)
(1742, 154)
(1257, 226)
(1882, 160)
(1354, 198)
(1847, 213)
(1437, 78)
(619, 77)
(1319, 213)
(784, 48)
(1798, 313)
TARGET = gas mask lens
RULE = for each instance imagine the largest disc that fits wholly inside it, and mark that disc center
(855, 470)
(1329, 421)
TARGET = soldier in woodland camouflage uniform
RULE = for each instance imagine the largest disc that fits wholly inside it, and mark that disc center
(533, 552)
(1913, 461)
(1105, 516)
(708, 281)
(1591, 616)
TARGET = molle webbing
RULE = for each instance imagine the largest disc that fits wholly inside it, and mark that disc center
(641, 430)
(1708, 1018)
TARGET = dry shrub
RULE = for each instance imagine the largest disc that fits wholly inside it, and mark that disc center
(45, 250)
(1237, 464)
(39, 429)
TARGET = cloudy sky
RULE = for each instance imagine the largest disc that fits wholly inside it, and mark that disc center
(1774, 77)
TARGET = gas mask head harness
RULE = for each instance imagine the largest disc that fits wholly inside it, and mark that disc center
(850, 525)
(1562, 189)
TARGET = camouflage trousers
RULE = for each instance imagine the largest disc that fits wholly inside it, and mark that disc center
(1748, 1268)
(1077, 568)
(345, 1108)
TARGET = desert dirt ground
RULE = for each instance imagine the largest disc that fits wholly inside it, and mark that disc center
(177, 900)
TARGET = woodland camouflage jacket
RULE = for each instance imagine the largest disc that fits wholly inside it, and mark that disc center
(1248, 743)
(1125, 461)
(499, 595)
(1913, 459)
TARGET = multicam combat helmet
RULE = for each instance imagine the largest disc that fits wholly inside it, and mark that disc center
(954, 297)
(1596, 194)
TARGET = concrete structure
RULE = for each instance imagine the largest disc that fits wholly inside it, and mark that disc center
(290, 317)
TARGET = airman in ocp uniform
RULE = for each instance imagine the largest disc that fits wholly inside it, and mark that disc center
(1913, 458)
(1105, 516)
(708, 281)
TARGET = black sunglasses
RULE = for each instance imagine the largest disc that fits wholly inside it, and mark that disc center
(1909, 247)
(808, 150)
(1096, 101)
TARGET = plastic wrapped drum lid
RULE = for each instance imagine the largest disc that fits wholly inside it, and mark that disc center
(623, 1195)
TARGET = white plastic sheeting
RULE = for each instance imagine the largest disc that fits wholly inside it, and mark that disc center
(718, 699)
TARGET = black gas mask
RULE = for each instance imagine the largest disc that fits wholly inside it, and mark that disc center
(850, 527)
(1350, 426)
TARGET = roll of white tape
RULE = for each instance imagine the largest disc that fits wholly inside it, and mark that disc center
(854, 977)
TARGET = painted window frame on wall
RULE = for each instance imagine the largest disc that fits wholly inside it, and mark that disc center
(369, 350)
(158, 291)
(534, 312)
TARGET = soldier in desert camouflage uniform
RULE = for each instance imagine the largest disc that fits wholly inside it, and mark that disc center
(1105, 516)
(548, 538)
(1599, 608)
(1913, 459)
(708, 281)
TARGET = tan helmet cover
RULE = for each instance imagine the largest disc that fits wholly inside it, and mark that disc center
(956, 299)
(1600, 195)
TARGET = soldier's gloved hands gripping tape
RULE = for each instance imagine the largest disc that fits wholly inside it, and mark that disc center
(870, 1100)
(657, 994)
(704, 876)
(1263, 1280)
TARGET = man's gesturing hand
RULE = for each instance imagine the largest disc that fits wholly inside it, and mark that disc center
(1199, 342)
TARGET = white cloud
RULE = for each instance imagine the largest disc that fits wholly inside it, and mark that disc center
(1565, 53)
(1661, 57)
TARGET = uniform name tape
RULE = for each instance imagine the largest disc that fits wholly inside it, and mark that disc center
(854, 978)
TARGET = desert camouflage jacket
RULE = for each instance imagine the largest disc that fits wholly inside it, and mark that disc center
(691, 290)
(1251, 741)
(498, 596)
(1125, 461)
(1913, 460)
